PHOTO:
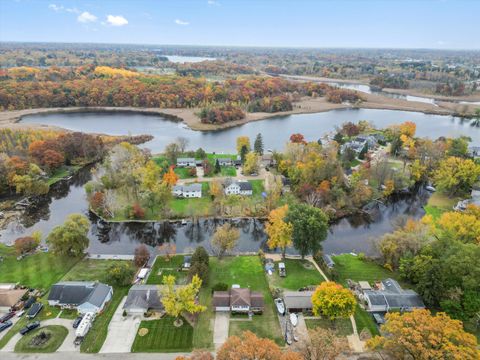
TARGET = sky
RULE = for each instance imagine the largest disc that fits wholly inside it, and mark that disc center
(436, 24)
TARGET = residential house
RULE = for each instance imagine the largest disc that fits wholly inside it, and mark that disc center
(238, 300)
(142, 298)
(9, 297)
(390, 296)
(298, 301)
(238, 187)
(85, 296)
(267, 160)
(186, 162)
(225, 161)
(474, 151)
(188, 191)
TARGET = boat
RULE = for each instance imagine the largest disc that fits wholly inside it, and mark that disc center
(280, 306)
(294, 319)
(430, 188)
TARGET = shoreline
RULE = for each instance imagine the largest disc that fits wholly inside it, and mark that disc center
(11, 119)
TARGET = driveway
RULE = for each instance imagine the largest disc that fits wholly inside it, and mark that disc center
(13, 320)
(220, 330)
(121, 332)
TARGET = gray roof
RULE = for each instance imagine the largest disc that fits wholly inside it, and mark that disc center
(224, 160)
(245, 185)
(185, 160)
(188, 187)
(393, 296)
(145, 297)
(298, 299)
(78, 292)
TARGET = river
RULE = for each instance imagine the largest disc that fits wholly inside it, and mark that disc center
(350, 234)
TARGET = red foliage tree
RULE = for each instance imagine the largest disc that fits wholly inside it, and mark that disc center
(298, 139)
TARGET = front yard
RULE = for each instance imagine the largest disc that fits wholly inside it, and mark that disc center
(162, 336)
(343, 327)
(56, 333)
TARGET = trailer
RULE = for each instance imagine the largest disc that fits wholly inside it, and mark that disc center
(85, 325)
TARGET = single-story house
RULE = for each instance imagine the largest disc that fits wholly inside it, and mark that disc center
(10, 297)
(85, 296)
(186, 162)
(239, 187)
(238, 300)
(142, 298)
(225, 161)
(188, 191)
(298, 301)
(390, 296)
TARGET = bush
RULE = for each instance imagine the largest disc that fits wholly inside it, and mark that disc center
(141, 255)
(220, 287)
(221, 114)
(337, 96)
(121, 274)
(135, 212)
(25, 244)
(200, 256)
(200, 269)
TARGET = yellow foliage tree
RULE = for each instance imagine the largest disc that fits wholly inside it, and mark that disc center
(419, 335)
(252, 163)
(279, 232)
(333, 301)
(464, 227)
(177, 300)
(243, 141)
(170, 177)
(112, 72)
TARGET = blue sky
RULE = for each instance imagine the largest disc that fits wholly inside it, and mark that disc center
(443, 24)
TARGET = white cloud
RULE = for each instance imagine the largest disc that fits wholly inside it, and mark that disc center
(61, 8)
(116, 20)
(213, 3)
(86, 17)
(181, 22)
(56, 8)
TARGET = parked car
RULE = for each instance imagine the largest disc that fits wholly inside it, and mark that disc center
(281, 269)
(31, 300)
(7, 316)
(29, 327)
(20, 313)
(34, 310)
(77, 321)
(5, 325)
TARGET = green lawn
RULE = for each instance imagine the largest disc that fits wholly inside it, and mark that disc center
(257, 186)
(40, 270)
(439, 203)
(183, 173)
(198, 206)
(163, 336)
(162, 267)
(364, 320)
(247, 271)
(228, 171)
(203, 330)
(213, 157)
(58, 334)
(342, 326)
(70, 314)
(61, 173)
(300, 273)
(351, 267)
(91, 270)
(95, 338)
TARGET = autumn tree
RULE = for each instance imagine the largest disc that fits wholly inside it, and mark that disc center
(170, 177)
(241, 142)
(258, 144)
(197, 354)
(461, 226)
(420, 335)
(333, 301)
(225, 239)
(141, 255)
(278, 230)
(121, 273)
(180, 299)
(248, 346)
(456, 175)
(252, 163)
(310, 226)
(323, 344)
(25, 244)
(70, 238)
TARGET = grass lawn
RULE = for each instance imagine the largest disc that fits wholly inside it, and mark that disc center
(247, 271)
(39, 270)
(342, 326)
(61, 173)
(364, 320)
(91, 270)
(183, 173)
(439, 203)
(163, 336)
(162, 267)
(185, 207)
(203, 330)
(228, 171)
(257, 186)
(300, 273)
(95, 338)
(70, 314)
(213, 157)
(351, 267)
(58, 334)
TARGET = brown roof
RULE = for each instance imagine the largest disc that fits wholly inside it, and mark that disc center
(11, 297)
(221, 298)
(240, 297)
(257, 299)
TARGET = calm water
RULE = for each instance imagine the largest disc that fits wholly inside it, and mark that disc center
(276, 131)
(352, 234)
(187, 59)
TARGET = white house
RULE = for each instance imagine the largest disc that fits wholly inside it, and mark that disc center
(186, 162)
(85, 296)
(225, 161)
(188, 191)
(240, 187)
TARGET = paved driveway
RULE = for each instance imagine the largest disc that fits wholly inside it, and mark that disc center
(121, 332)
(220, 330)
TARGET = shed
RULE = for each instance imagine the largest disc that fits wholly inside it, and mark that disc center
(364, 285)
(298, 301)
(328, 261)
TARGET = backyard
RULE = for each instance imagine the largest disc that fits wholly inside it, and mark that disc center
(163, 267)
(300, 273)
(439, 203)
(343, 327)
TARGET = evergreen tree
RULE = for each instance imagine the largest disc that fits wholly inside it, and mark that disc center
(243, 153)
(217, 167)
(258, 145)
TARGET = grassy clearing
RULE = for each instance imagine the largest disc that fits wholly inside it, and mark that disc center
(163, 336)
(257, 186)
(300, 273)
(40, 270)
(439, 203)
(342, 326)
(162, 268)
(247, 271)
(228, 171)
(58, 334)
(61, 173)
(95, 338)
(91, 270)
(183, 173)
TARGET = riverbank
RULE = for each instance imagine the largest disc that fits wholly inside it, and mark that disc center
(11, 119)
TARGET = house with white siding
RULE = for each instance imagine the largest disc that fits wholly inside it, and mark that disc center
(238, 187)
(187, 191)
(186, 162)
